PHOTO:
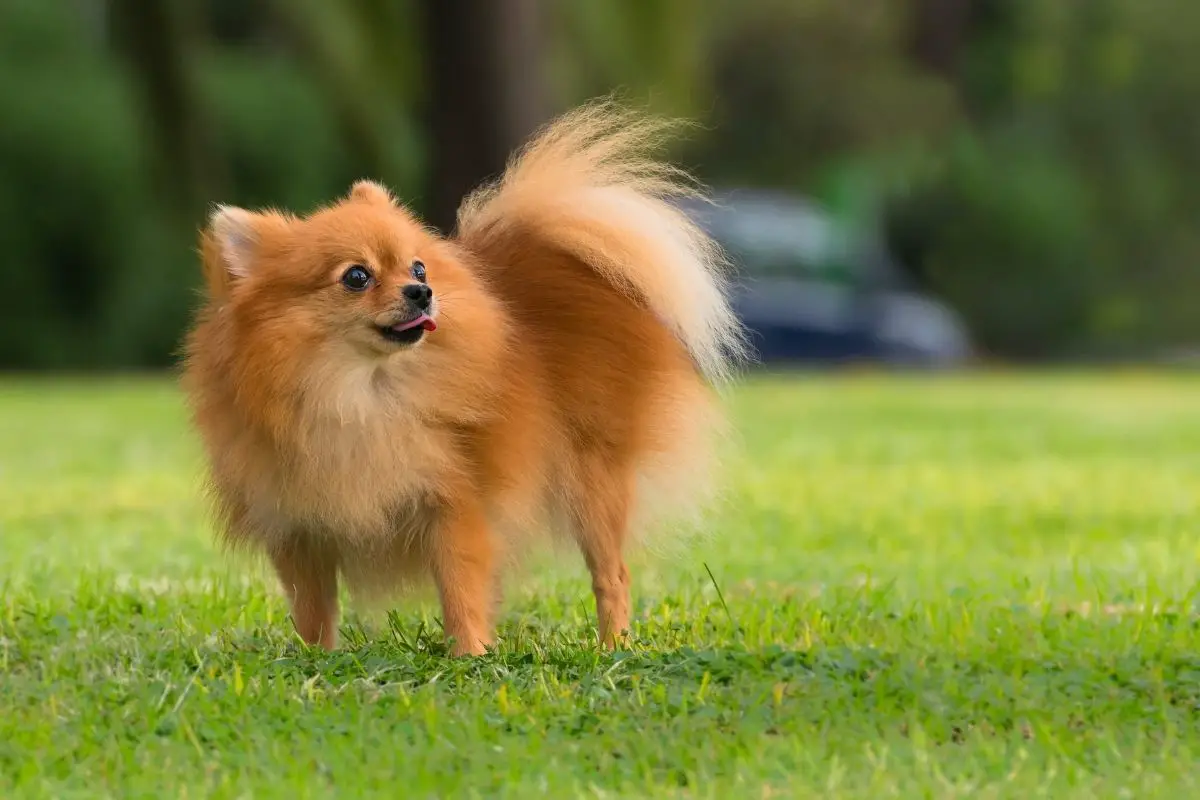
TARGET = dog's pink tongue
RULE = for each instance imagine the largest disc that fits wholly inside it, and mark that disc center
(424, 321)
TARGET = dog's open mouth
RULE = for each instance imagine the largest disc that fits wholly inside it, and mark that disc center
(409, 331)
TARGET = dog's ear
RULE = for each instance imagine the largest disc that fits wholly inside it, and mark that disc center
(231, 245)
(234, 232)
(365, 191)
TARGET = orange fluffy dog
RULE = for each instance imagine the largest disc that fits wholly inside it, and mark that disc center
(377, 401)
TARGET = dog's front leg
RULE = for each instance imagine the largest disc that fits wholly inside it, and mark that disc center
(463, 561)
(307, 569)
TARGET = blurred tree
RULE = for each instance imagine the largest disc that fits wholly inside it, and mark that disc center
(969, 44)
(1070, 227)
(802, 85)
(158, 41)
(473, 68)
(939, 37)
(1039, 158)
(655, 48)
(484, 96)
(344, 50)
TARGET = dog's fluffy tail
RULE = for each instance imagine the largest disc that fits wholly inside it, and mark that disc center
(588, 185)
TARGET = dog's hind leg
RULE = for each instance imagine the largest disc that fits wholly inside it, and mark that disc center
(601, 502)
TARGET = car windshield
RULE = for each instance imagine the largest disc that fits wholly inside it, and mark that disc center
(780, 240)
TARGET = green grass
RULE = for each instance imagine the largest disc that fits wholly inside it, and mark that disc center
(979, 586)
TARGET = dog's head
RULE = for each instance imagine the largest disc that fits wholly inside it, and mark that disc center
(362, 272)
(355, 308)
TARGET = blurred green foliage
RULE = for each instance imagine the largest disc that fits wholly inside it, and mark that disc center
(1068, 207)
(1043, 180)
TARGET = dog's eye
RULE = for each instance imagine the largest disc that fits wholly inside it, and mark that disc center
(418, 271)
(356, 278)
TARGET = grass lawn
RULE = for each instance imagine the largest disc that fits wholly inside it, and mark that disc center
(936, 587)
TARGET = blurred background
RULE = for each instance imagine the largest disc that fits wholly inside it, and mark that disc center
(931, 182)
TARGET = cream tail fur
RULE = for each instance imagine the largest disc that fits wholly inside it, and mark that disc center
(588, 184)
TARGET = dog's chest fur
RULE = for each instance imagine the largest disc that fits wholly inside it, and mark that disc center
(357, 467)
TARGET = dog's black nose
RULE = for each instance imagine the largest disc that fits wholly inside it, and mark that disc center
(418, 294)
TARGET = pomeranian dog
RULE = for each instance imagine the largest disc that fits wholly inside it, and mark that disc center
(379, 403)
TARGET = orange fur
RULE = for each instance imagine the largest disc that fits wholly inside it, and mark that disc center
(580, 322)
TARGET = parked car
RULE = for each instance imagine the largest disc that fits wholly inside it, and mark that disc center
(811, 290)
